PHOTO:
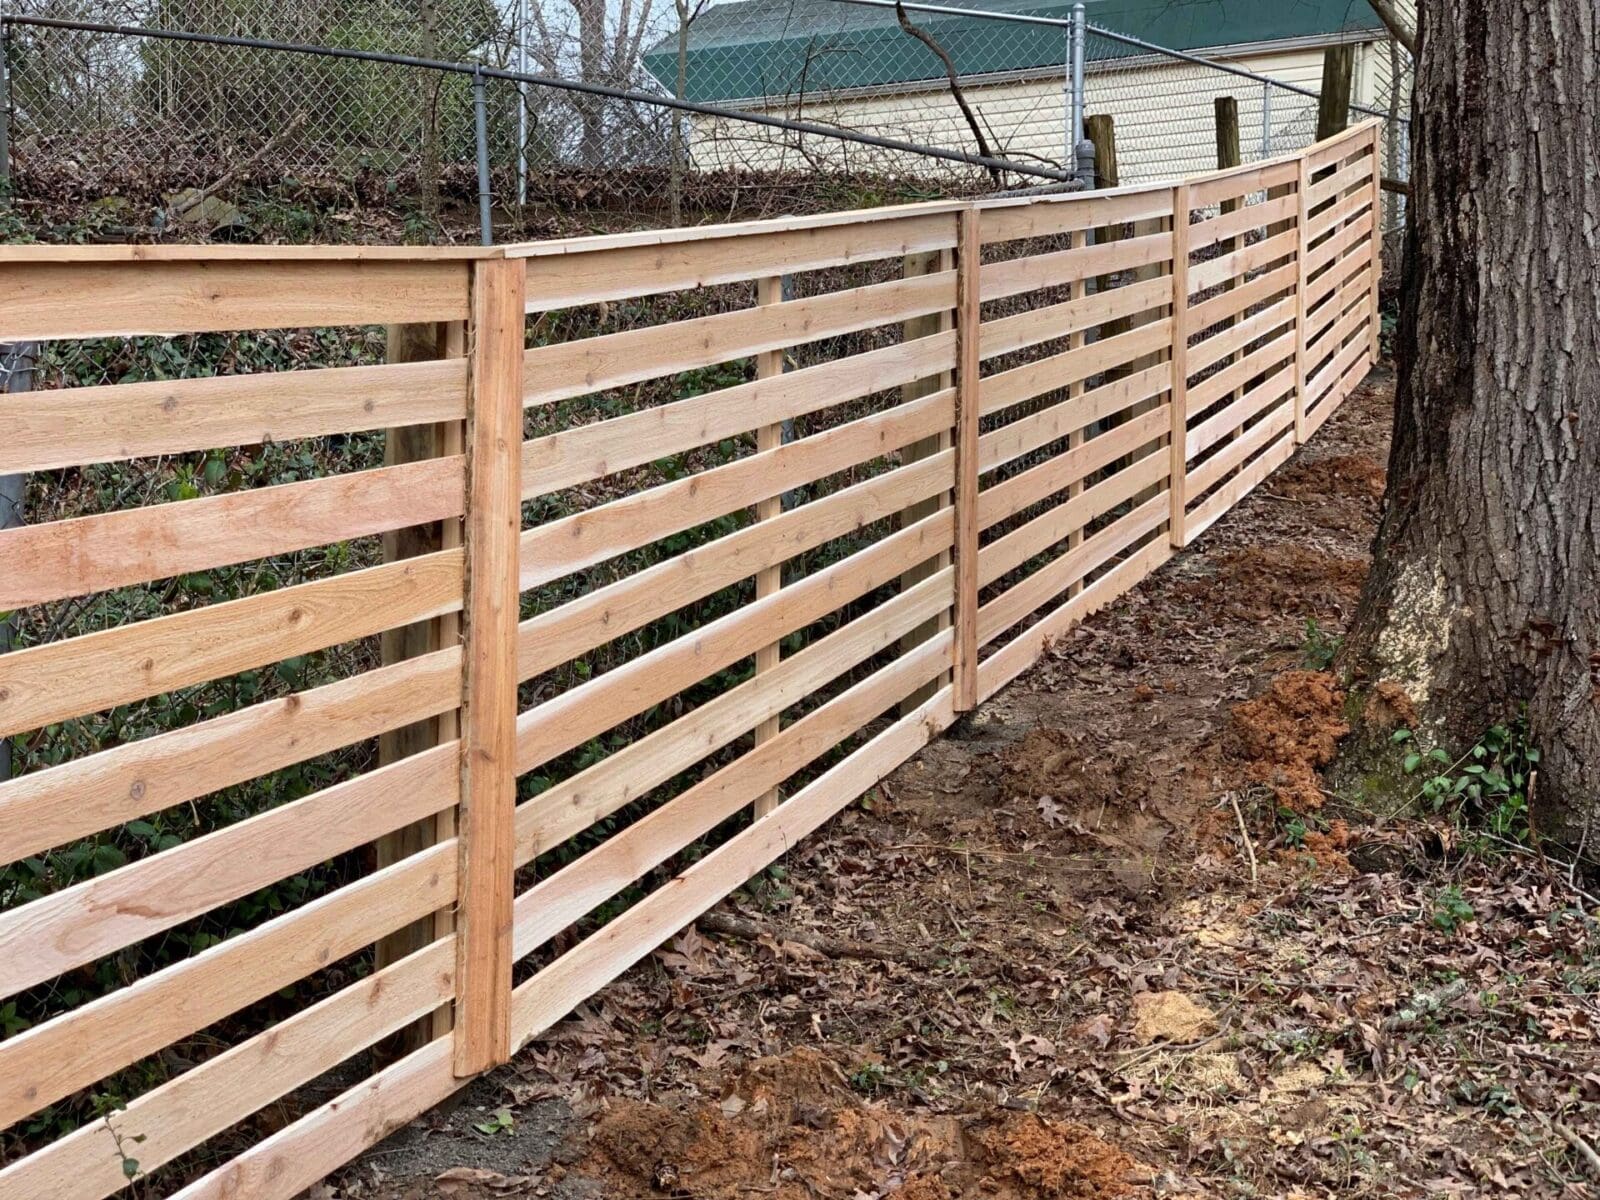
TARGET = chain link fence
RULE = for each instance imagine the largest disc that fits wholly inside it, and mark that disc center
(155, 132)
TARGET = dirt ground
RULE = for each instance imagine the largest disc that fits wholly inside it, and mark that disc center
(1072, 972)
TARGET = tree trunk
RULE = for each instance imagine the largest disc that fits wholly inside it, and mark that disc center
(1484, 597)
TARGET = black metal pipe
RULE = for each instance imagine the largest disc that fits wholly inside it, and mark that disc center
(480, 120)
(988, 162)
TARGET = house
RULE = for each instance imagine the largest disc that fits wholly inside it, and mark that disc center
(839, 63)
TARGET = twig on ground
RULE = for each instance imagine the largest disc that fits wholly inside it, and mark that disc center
(1585, 1151)
(754, 931)
(1249, 846)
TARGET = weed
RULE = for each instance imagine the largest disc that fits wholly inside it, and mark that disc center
(1318, 648)
(869, 1078)
(1486, 788)
(1450, 910)
(499, 1121)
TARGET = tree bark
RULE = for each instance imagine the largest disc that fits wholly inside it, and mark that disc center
(1484, 596)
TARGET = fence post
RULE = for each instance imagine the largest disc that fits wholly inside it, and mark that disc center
(1377, 238)
(1177, 525)
(926, 263)
(965, 654)
(1302, 248)
(480, 121)
(769, 364)
(485, 836)
(419, 343)
(1333, 102)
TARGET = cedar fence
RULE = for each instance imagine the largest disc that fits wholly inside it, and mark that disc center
(902, 530)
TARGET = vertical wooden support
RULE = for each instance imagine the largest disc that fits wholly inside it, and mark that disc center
(1178, 492)
(1303, 248)
(489, 687)
(926, 263)
(1229, 155)
(419, 343)
(968, 314)
(769, 363)
(1376, 240)
(1076, 340)
(1333, 101)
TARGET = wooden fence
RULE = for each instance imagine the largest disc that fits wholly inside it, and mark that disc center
(894, 533)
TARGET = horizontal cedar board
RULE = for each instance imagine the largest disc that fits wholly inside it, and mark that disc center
(593, 243)
(77, 426)
(1070, 214)
(1001, 279)
(1234, 264)
(1352, 299)
(599, 616)
(1207, 353)
(206, 1099)
(1016, 438)
(59, 680)
(589, 452)
(605, 954)
(1203, 234)
(42, 1064)
(1241, 181)
(296, 1157)
(1230, 493)
(571, 806)
(560, 281)
(1342, 272)
(1319, 193)
(1250, 441)
(86, 795)
(1011, 496)
(565, 722)
(578, 888)
(1044, 585)
(1017, 655)
(1323, 381)
(1233, 418)
(1071, 516)
(110, 550)
(1210, 313)
(89, 920)
(584, 539)
(197, 252)
(1265, 357)
(1057, 321)
(578, 368)
(1329, 219)
(75, 300)
(1358, 139)
(1006, 389)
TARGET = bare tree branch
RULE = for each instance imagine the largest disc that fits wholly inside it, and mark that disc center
(1402, 26)
(928, 40)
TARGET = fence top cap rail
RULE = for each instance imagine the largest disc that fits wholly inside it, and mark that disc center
(702, 233)
(1351, 133)
(202, 252)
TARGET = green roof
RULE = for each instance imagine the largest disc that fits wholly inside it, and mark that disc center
(788, 47)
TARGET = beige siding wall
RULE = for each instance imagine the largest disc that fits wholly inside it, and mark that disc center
(1164, 117)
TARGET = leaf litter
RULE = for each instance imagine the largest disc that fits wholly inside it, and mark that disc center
(1089, 996)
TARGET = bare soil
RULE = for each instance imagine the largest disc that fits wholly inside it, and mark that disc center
(1145, 952)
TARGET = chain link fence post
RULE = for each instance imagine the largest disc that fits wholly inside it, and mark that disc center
(16, 375)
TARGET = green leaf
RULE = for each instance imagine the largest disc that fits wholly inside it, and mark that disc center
(1401, 735)
(1412, 762)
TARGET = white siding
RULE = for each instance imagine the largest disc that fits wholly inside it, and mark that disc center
(1164, 116)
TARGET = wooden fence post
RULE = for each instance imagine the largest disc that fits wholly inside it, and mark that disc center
(925, 263)
(1377, 240)
(769, 364)
(485, 835)
(1177, 530)
(419, 343)
(1333, 101)
(1303, 248)
(968, 313)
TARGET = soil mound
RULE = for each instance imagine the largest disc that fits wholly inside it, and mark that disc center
(1288, 733)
